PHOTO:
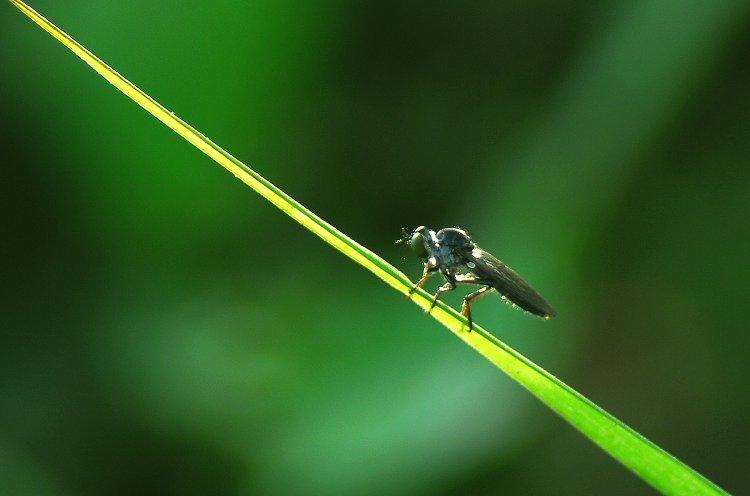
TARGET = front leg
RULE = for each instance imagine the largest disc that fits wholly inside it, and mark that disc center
(426, 274)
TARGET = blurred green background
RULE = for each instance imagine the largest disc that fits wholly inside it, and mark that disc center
(166, 331)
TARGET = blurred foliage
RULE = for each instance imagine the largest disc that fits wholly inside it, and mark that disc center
(166, 336)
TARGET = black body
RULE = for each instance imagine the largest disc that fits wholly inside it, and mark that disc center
(451, 252)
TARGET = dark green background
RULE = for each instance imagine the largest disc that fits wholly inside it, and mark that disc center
(166, 331)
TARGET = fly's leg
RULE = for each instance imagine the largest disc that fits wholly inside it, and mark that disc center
(450, 285)
(471, 297)
(426, 274)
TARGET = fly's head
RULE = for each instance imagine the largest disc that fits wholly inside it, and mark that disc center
(416, 241)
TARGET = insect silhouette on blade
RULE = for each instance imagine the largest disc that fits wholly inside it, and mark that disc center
(451, 252)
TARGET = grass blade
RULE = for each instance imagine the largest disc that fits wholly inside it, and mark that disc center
(648, 461)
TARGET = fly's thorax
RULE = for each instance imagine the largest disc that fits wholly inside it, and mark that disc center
(448, 257)
(453, 236)
(446, 247)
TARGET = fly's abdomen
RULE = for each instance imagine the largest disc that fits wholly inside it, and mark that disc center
(531, 301)
(510, 285)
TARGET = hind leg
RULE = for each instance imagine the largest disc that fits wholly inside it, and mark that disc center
(469, 299)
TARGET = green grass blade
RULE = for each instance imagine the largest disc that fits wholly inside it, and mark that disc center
(648, 461)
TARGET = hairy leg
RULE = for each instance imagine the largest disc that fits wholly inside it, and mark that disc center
(469, 299)
(450, 285)
(426, 274)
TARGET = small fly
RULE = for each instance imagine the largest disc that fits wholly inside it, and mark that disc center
(451, 252)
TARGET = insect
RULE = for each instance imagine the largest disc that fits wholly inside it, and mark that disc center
(451, 252)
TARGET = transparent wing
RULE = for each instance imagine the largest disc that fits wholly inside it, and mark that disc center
(508, 283)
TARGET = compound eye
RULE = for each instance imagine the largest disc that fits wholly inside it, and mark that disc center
(417, 244)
